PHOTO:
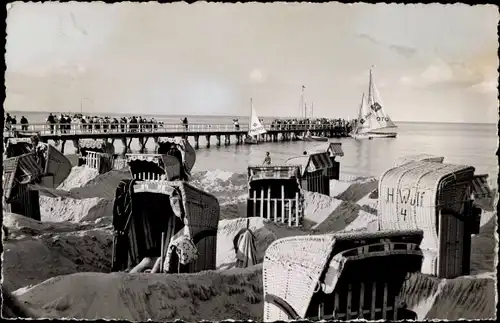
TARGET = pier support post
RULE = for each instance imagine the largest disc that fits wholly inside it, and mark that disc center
(218, 140)
(156, 140)
(238, 139)
(76, 144)
(124, 142)
(63, 143)
(197, 142)
(227, 140)
(143, 141)
(208, 140)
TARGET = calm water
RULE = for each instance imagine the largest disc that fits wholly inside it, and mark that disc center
(470, 144)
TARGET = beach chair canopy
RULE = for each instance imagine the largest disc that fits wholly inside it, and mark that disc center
(97, 145)
(155, 164)
(420, 189)
(312, 162)
(188, 152)
(19, 170)
(418, 157)
(144, 210)
(274, 179)
(17, 147)
(335, 149)
(338, 276)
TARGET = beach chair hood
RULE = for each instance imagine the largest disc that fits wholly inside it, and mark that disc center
(312, 162)
(187, 151)
(19, 170)
(153, 164)
(296, 268)
(97, 145)
(418, 157)
(273, 172)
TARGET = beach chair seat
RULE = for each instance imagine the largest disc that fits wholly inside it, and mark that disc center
(340, 276)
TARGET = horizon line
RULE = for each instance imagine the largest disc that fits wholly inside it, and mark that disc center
(228, 115)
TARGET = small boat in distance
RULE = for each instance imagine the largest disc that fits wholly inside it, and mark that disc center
(308, 137)
(255, 127)
(373, 121)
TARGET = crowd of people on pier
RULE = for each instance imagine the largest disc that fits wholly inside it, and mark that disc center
(64, 123)
(290, 124)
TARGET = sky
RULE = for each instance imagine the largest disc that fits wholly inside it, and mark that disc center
(432, 62)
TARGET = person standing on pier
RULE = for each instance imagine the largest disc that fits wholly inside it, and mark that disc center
(185, 123)
(267, 159)
(24, 123)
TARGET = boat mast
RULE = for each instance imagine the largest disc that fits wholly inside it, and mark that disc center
(302, 102)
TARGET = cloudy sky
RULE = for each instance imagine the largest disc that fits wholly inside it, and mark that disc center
(432, 62)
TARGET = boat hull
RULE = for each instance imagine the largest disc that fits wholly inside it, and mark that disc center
(251, 142)
(374, 135)
(314, 138)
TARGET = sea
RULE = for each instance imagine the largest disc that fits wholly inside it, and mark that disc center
(465, 144)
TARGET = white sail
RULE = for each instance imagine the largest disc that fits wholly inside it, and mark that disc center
(381, 119)
(364, 123)
(255, 127)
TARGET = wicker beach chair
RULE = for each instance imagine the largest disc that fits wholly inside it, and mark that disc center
(436, 198)
(97, 154)
(19, 172)
(274, 193)
(146, 210)
(314, 169)
(340, 276)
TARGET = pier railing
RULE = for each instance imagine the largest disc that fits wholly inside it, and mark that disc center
(86, 128)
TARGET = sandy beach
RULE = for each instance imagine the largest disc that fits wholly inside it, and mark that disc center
(60, 267)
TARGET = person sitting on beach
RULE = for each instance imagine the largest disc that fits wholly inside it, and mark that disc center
(267, 159)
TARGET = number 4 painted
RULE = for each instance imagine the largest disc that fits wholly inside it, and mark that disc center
(403, 213)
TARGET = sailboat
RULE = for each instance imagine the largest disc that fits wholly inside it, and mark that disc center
(373, 121)
(255, 127)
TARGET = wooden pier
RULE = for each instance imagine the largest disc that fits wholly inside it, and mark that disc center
(143, 132)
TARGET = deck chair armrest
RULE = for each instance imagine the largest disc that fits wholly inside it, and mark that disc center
(283, 305)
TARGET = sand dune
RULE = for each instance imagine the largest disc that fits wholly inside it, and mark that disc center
(211, 295)
(36, 251)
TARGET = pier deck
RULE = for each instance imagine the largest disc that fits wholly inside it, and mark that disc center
(142, 132)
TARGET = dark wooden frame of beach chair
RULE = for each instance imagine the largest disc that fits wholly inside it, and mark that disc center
(23, 200)
(329, 306)
(334, 171)
(318, 180)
